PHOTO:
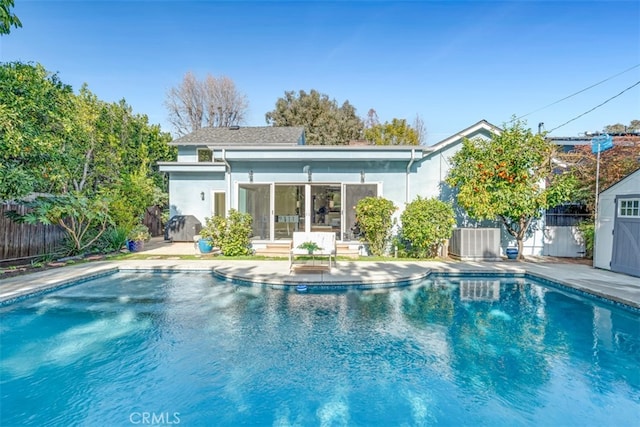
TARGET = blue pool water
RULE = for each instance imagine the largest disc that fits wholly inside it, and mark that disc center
(188, 349)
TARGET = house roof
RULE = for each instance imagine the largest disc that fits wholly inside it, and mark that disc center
(635, 175)
(236, 135)
(469, 132)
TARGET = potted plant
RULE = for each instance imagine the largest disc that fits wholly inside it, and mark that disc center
(309, 247)
(136, 238)
(210, 234)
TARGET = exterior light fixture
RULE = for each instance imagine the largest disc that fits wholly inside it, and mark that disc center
(361, 177)
(202, 195)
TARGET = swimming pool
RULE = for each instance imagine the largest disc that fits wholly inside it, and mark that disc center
(189, 349)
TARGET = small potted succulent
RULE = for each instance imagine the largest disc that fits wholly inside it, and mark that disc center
(136, 238)
(309, 246)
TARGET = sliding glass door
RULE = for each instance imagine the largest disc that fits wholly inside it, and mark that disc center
(289, 210)
(255, 199)
(353, 193)
(302, 207)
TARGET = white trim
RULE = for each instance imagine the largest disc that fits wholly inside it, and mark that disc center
(634, 209)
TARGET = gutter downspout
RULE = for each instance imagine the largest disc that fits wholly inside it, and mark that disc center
(413, 157)
(228, 167)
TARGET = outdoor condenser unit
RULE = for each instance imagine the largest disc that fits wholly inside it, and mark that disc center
(475, 244)
(182, 228)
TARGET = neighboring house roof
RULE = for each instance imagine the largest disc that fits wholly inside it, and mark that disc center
(236, 135)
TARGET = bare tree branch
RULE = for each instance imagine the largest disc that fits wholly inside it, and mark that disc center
(215, 102)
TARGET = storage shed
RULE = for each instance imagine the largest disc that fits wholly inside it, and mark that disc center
(617, 238)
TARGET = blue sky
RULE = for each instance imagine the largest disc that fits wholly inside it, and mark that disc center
(453, 63)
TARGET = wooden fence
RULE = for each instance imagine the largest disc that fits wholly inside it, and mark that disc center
(24, 241)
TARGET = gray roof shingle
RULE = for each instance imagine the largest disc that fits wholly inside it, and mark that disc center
(244, 136)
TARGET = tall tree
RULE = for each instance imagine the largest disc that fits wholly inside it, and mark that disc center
(36, 114)
(398, 132)
(634, 126)
(372, 119)
(325, 122)
(8, 19)
(224, 105)
(420, 128)
(54, 141)
(214, 102)
(500, 178)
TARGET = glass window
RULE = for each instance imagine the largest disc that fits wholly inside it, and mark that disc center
(205, 155)
(629, 207)
(219, 203)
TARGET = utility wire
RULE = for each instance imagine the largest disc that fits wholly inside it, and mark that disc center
(597, 106)
(578, 92)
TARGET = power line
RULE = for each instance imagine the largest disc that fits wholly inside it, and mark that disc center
(597, 106)
(578, 92)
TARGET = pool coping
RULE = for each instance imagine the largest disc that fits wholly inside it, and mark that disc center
(602, 284)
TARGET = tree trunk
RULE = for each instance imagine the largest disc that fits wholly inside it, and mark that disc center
(524, 226)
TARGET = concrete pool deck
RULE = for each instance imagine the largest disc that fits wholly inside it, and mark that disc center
(613, 286)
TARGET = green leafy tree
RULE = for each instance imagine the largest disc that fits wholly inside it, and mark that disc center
(83, 219)
(398, 132)
(325, 122)
(7, 18)
(500, 178)
(131, 197)
(633, 126)
(374, 218)
(426, 224)
(36, 114)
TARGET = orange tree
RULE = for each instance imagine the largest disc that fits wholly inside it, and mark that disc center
(508, 178)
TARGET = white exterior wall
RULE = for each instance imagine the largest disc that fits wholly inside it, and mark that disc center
(603, 245)
(185, 197)
(426, 179)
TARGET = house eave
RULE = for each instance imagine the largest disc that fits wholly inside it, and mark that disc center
(322, 153)
(191, 167)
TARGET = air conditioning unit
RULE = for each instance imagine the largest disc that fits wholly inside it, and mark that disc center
(475, 244)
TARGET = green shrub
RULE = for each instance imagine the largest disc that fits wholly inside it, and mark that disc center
(231, 234)
(426, 224)
(587, 230)
(374, 218)
(113, 239)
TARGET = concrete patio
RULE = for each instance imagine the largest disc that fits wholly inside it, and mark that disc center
(162, 256)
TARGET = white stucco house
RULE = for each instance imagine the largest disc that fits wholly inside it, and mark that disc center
(617, 232)
(286, 185)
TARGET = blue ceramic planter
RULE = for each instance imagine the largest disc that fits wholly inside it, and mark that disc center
(205, 246)
(135, 245)
(512, 253)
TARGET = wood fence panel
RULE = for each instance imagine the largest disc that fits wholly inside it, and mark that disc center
(23, 241)
(153, 220)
